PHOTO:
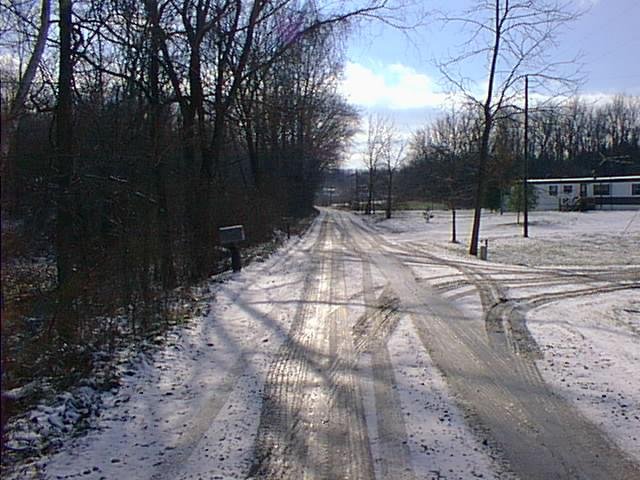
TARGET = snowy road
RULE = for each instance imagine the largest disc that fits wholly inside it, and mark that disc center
(313, 415)
(354, 354)
(489, 363)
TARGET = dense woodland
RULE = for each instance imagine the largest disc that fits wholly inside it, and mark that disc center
(133, 130)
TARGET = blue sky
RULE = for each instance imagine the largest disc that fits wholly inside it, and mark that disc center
(395, 73)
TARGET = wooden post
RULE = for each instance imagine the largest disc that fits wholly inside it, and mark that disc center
(236, 262)
(453, 226)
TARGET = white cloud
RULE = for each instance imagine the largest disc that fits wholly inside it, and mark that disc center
(394, 86)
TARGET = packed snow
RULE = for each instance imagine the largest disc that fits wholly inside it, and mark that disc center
(592, 358)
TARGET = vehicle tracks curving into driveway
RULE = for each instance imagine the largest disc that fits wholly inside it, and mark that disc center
(540, 434)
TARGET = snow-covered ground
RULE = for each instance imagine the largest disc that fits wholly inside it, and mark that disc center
(158, 425)
(590, 343)
(213, 366)
(555, 238)
(591, 352)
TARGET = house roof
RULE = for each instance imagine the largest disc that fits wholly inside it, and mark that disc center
(627, 178)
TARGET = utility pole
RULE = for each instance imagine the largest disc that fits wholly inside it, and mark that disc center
(526, 157)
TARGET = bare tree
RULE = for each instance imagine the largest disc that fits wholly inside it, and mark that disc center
(154, 111)
(392, 158)
(12, 112)
(378, 142)
(515, 39)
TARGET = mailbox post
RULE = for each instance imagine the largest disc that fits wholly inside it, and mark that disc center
(230, 237)
(484, 250)
(287, 225)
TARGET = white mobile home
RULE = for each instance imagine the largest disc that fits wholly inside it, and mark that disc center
(587, 193)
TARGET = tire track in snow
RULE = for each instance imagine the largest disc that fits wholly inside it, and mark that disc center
(180, 453)
(281, 447)
(505, 318)
(392, 445)
(312, 418)
(541, 435)
(347, 432)
(394, 455)
(507, 331)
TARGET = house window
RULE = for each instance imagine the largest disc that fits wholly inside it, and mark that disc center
(567, 189)
(601, 189)
(635, 189)
(553, 190)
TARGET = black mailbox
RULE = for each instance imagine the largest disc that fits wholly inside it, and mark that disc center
(232, 234)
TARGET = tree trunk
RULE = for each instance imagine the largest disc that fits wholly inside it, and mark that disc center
(369, 209)
(167, 269)
(357, 194)
(486, 133)
(11, 120)
(389, 189)
(481, 180)
(64, 148)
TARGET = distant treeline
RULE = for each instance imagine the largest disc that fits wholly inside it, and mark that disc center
(576, 138)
